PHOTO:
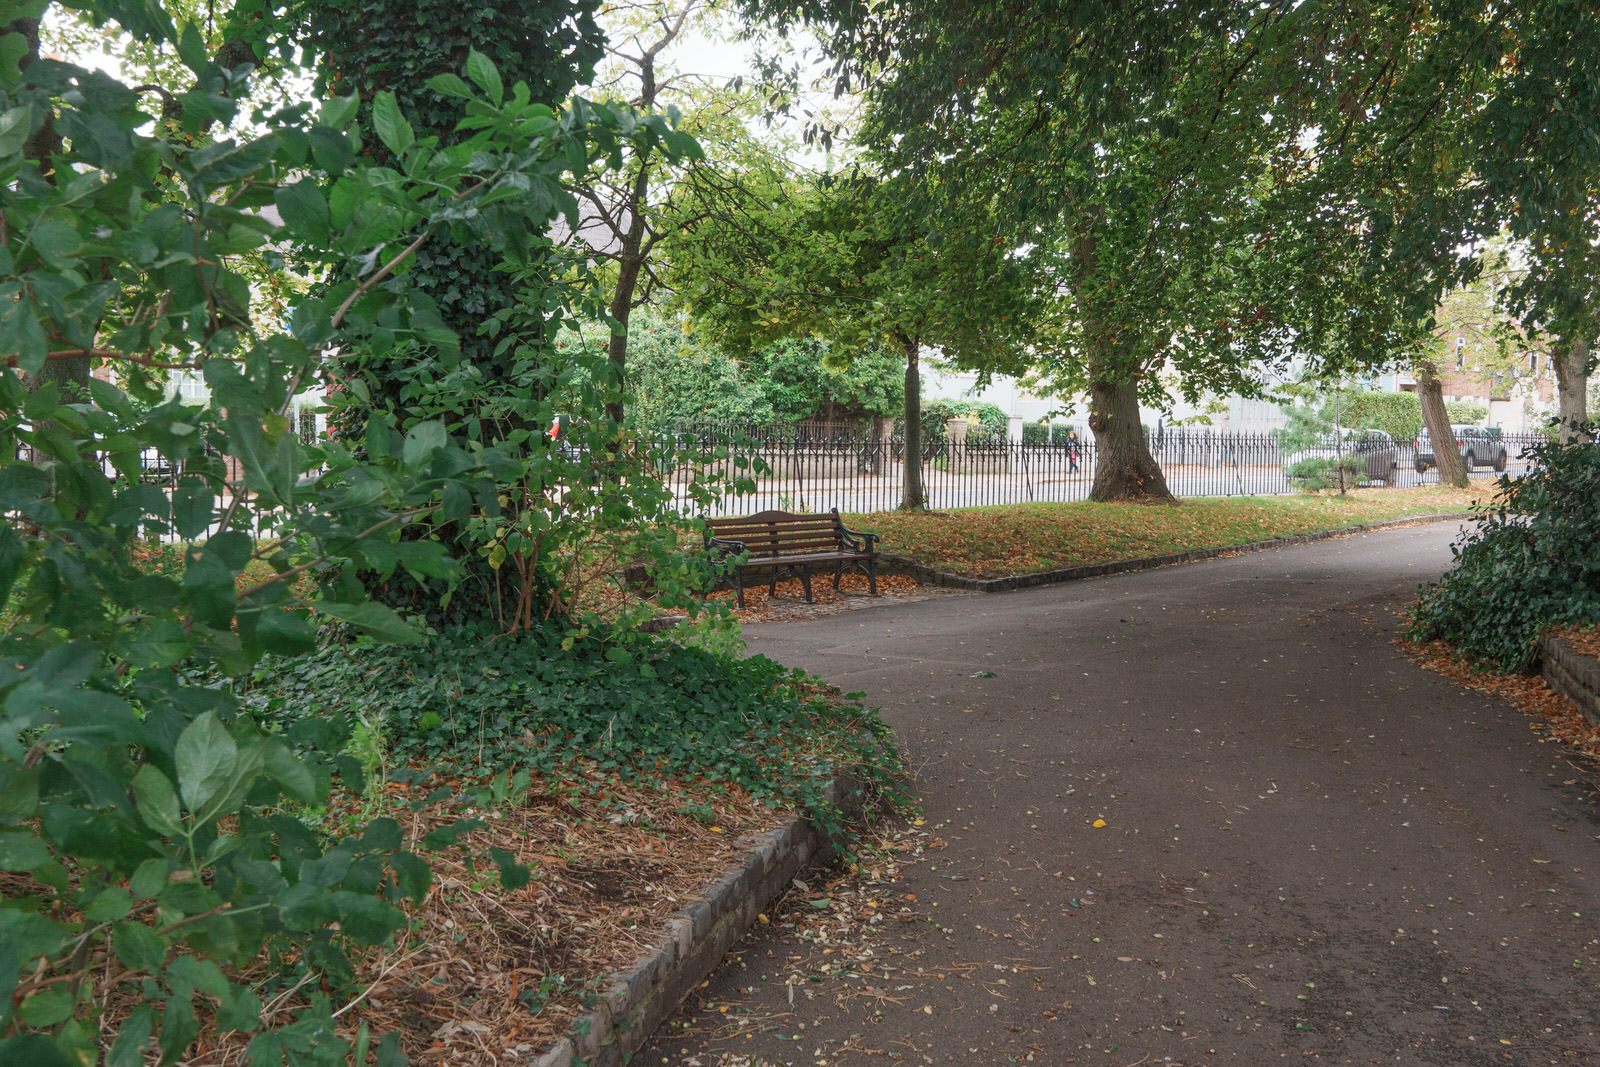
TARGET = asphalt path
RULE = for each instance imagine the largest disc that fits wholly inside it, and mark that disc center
(1312, 850)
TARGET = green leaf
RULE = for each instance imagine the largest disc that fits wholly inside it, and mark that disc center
(449, 85)
(484, 74)
(159, 643)
(284, 632)
(293, 776)
(207, 758)
(382, 835)
(367, 919)
(157, 800)
(412, 876)
(12, 557)
(128, 1050)
(192, 48)
(194, 507)
(379, 620)
(57, 244)
(35, 1050)
(47, 1008)
(218, 164)
(109, 904)
(150, 878)
(22, 850)
(389, 1054)
(305, 211)
(339, 110)
(138, 947)
(513, 875)
(421, 441)
(21, 333)
(391, 126)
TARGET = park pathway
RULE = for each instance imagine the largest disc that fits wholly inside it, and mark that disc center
(1311, 850)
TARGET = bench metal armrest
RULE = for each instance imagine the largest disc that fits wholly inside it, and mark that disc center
(857, 540)
(725, 546)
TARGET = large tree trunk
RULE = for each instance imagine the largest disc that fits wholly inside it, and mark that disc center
(913, 500)
(1446, 456)
(1572, 388)
(1123, 466)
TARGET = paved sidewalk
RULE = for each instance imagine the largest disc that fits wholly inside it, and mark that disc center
(1312, 850)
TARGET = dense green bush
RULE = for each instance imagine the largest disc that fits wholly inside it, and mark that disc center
(991, 422)
(1042, 434)
(147, 828)
(646, 708)
(1397, 414)
(1533, 562)
(1465, 412)
(677, 376)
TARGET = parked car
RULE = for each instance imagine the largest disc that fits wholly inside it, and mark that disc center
(1478, 445)
(1373, 451)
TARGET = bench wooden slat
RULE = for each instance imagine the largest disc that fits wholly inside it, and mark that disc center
(779, 540)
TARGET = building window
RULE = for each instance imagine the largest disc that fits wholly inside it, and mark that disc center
(1461, 354)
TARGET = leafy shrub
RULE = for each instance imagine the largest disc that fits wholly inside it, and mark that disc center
(1397, 414)
(992, 423)
(642, 707)
(1317, 473)
(1463, 411)
(1046, 434)
(143, 832)
(1533, 562)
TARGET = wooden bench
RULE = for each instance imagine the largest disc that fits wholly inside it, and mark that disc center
(780, 541)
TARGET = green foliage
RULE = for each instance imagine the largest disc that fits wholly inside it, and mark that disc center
(1311, 429)
(1313, 474)
(804, 378)
(643, 707)
(1397, 414)
(1047, 434)
(1461, 411)
(141, 813)
(1532, 562)
(676, 375)
(990, 423)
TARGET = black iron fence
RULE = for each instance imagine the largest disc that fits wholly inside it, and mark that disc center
(862, 467)
(858, 468)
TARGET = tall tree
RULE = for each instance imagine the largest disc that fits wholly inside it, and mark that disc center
(848, 260)
(1116, 148)
(1158, 151)
(365, 47)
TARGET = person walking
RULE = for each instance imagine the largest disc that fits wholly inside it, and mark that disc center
(1072, 449)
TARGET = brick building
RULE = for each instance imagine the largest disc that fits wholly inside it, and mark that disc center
(1518, 389)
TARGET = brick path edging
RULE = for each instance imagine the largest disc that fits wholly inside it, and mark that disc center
(1572, 674)
(929, 576)
(640, 998)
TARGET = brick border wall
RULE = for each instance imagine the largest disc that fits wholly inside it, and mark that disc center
(640, 998)
(1573, 674)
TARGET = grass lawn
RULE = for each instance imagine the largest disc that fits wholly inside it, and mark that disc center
(996, 542)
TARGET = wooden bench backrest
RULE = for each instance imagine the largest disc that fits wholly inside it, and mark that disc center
(779, 533)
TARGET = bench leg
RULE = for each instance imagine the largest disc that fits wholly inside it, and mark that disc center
(872, 575)
(805, 580)
(738, 586)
